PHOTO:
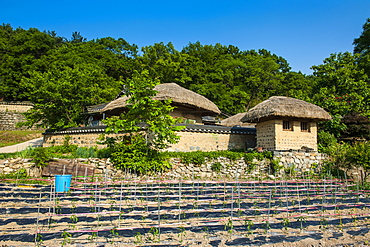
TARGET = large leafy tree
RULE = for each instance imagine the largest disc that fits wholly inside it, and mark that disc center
(61, 93)
(19, 50)
(342, 89)
(235, 80)
(165, 63)
(147, 124)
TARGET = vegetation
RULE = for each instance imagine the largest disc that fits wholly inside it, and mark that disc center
(62, 76)
(8, 138)
(147, 125)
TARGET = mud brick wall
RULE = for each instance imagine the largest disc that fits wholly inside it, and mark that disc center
(195, 141)
(271, 136)
(266, 135)
(193, 138)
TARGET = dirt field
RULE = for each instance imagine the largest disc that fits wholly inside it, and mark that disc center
(126, 212)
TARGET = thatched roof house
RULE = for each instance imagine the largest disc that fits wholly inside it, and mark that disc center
(285, 123)
(236, 121)
(188, 105)
(179, 96)
(286, 107)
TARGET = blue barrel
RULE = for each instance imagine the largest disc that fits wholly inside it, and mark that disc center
(62, 183)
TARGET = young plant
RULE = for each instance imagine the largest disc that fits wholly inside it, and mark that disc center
(138, 238)
(229, 225)
(182, 233)
(155, 234)
(66, 238)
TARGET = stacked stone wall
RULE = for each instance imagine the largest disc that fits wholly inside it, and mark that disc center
(11, 114)
(13, 165)
(299, 162)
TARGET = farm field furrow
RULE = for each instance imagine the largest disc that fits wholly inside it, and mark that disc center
(129, 212)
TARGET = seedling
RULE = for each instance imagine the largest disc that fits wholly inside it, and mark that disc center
(285, 223)
(138, 238)
(229, 226)
(66, 238)
(182, 233)
(155, 234)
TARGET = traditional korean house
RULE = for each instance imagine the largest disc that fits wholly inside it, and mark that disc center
(188, 105)
(235, 120)
(284, 123)
(201, 132)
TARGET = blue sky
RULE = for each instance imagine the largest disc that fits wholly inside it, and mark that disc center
(301, 31)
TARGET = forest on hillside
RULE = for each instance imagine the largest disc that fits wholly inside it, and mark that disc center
(62, 76)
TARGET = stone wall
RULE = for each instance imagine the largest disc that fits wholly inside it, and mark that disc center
(11, 114)
(12, 165)
(298, 161)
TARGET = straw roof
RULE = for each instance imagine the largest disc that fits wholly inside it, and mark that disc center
(236, 121)
(178, 95)
(279, 106)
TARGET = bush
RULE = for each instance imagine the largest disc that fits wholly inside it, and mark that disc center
(104, 153)
(84, 152)
(196, 158)
(324, 141)
(40, 156)
(133, 153)
(216, 167)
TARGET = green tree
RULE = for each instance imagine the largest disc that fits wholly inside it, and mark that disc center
(19, 50)
(362, 43)
(147, 124)
(61, 94)
(362, 47)
(235, 80)
(342, 88)
(165, 63)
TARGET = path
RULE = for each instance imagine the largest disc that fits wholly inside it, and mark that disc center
(22, 146)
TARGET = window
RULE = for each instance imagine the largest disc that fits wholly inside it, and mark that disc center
(287, 125)
(305, 127)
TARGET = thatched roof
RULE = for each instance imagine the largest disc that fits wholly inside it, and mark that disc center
(179, 95)
(236, 121)
(95, 108)
(279, 106)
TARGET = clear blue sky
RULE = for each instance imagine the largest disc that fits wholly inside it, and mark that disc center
(304, 32)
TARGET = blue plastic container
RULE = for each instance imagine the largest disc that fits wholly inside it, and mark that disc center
(62, 183)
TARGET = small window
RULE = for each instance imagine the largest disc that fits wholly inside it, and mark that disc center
(305, 127)
(287, 125)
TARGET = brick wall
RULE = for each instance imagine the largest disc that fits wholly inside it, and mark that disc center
(295, 139)
(270, 135)
(266, 134)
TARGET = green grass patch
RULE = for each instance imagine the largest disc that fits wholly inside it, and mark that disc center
(8, 138)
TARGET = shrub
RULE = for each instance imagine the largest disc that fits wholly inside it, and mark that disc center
(40, 156)
(324, 141)
(216, 167)
(133, 153)
(84, 152)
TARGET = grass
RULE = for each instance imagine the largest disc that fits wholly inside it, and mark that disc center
(8, 138)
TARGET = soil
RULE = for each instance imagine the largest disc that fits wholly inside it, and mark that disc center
(190, 213)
